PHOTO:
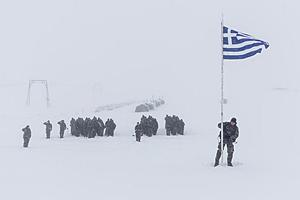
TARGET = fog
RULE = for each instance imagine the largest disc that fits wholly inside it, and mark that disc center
(96, 52)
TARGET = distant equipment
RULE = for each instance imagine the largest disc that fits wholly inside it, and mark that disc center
(114, 106)
(143, 108)
(146, 107)
(42, 82)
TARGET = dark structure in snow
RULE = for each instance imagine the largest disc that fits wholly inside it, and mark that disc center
(114, 106)
(159, 102)
(146, 107)
(150, 106)
(142, 108)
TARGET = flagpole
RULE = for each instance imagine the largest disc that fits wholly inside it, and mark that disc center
(222, 90)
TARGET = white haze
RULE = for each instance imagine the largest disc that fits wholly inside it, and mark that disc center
(142, 48)
(96, 52)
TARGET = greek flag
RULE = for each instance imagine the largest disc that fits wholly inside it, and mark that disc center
(237, 45)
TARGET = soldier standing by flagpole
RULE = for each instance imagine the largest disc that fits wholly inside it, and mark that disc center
(235, 45)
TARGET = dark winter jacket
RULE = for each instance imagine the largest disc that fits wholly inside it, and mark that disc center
(62, 126)
(27, 133)
(138, 130)
(113, 125)
(168, 122)
(155, 124)
(231, 132)
(48, 126)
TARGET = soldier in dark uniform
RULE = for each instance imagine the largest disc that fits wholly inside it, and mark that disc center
(101, 127)
(96, 125)
(174, 125)
(89, 128)
(62, 128)
(78, 127)
(181, 125)
(148, 127)
(155, 126)
(143, 125)
(112, 127)
(26, 136)
(231, 133)
(107, 127)
(48, 129)
(138, 132)
(73, 127)
(168, 125)
(85, 131)
(81, 125)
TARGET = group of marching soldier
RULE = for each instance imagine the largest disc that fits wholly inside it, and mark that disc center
(92, 127)
(174, 125)
(148, 126)
(80, 127)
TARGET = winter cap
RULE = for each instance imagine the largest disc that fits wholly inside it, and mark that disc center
(233, 120)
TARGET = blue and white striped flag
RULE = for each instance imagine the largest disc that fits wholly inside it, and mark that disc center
(237, 45)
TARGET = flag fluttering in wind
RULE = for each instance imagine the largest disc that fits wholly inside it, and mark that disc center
(238, 45)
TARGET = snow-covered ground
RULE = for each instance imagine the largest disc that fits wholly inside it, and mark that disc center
(95, 53)
(265, 162)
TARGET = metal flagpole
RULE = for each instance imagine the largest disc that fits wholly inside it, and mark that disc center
(222, 89)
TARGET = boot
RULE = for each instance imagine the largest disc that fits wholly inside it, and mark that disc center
(218, 156)
(229, 159)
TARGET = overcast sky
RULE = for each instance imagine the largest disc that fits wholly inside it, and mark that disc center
(160, 46)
